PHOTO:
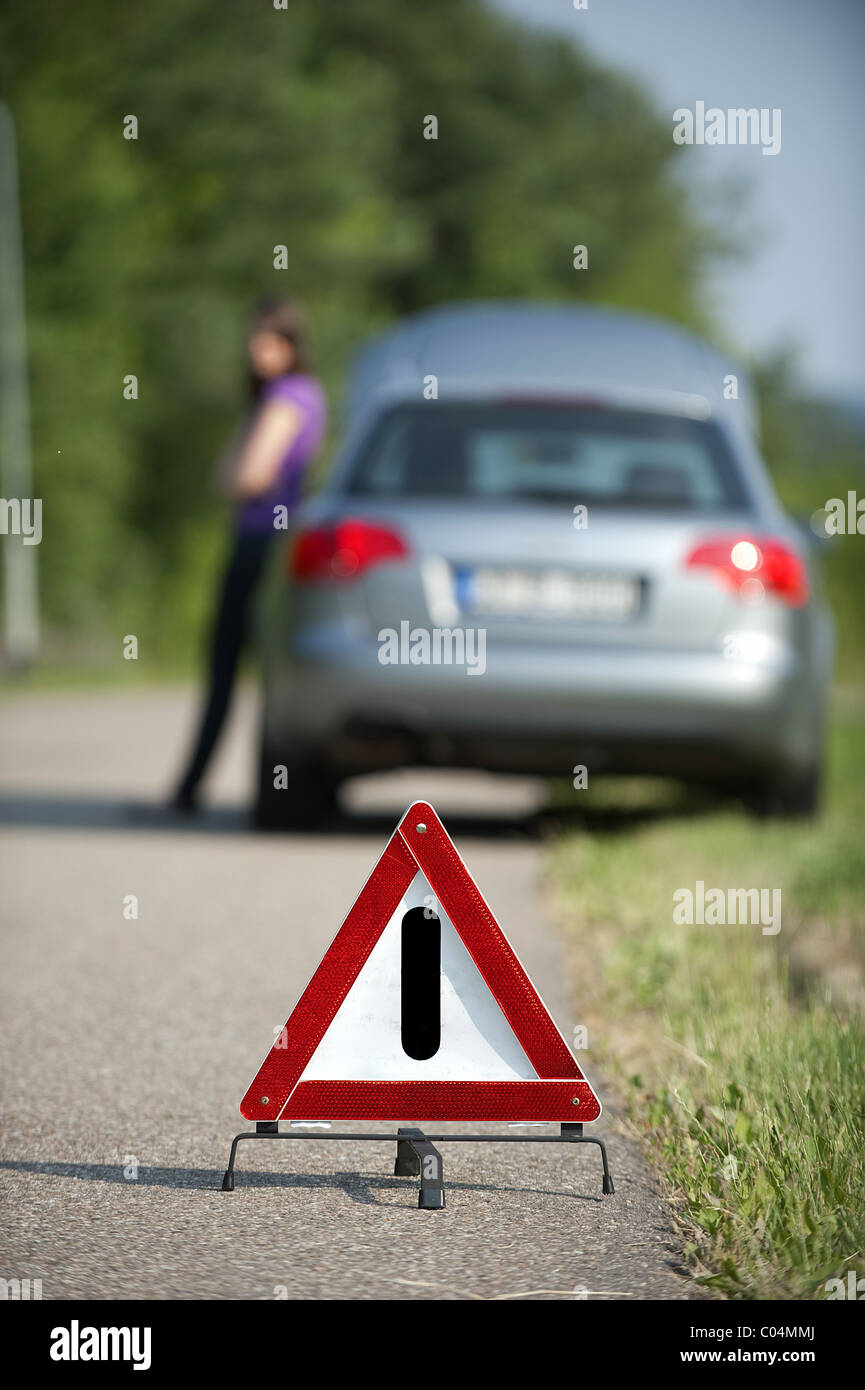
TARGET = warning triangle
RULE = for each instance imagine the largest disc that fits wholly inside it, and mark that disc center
(420, 1009)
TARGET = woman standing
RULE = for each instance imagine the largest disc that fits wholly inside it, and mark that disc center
(262, 471)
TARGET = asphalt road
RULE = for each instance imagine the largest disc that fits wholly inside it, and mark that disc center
(127, 1044)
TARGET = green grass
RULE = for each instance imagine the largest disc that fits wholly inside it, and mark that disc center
(741, 1056)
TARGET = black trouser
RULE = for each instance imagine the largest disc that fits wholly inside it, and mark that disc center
(230, 631)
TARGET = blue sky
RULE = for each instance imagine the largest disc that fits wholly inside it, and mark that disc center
(804, 216)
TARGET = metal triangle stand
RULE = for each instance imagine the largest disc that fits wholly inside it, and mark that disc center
(417, 1157)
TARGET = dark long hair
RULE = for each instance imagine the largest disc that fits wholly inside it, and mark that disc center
(285, 317)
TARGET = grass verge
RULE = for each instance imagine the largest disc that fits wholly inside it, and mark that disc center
(741, 1055)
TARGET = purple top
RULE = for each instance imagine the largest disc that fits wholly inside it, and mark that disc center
(256, 514)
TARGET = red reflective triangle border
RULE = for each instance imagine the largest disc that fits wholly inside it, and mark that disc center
(561, 1092)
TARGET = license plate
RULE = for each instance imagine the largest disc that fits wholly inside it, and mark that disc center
(548, 593)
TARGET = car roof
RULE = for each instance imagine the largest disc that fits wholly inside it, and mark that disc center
(496, 348)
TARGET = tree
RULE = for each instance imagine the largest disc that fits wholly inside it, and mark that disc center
(304, 128)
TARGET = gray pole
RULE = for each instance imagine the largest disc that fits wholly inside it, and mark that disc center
(21, 616)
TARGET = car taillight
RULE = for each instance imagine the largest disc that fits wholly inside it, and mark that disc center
(754, 566)
(343, 550)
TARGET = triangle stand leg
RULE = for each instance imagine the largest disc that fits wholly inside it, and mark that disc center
(262, 1129)
(573, 1134)
(407, 1163)
(426, 1163)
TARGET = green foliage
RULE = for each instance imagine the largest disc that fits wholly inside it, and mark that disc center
(304, 127)
(814, 453)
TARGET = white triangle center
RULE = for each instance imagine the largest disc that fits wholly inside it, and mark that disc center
(364, 1040)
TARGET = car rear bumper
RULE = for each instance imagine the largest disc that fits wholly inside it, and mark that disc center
(672, 712)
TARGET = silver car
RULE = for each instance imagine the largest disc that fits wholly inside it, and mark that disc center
(549, 543)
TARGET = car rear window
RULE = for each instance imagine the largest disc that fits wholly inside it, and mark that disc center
(540, 453)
